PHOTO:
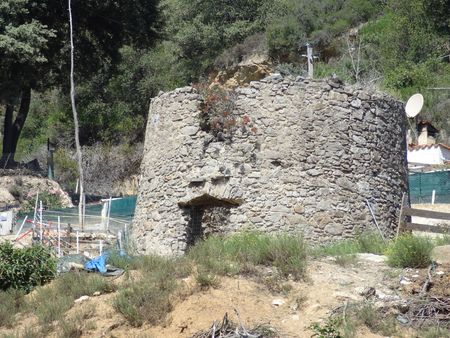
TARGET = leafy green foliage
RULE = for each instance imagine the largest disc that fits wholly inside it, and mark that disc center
(25, 268)
(329, 329)
(34, 47)
(201, 30)
(66, 168)
(410, 251)
(399, 45)
(50, 199)
(363, 314)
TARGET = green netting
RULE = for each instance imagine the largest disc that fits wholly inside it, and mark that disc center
(123, 208)
(122, 212)
(421, 186)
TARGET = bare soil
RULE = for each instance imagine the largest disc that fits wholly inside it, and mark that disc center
(329, 285)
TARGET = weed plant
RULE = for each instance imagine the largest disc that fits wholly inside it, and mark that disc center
(434, 332)
(77, 323)
(240, 252)
(368, 242)
(11, 303)
(147, 298)
(363, 314)
(206, 279)
(441, 240)
(410, 251)
(51, 302)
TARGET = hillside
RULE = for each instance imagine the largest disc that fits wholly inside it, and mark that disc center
(398, 46)
(329, 286)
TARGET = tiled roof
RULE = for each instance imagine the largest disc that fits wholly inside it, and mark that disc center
(427, 146)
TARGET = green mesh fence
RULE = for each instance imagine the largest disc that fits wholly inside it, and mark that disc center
(123, 208)
(122, 212)
(421, 186)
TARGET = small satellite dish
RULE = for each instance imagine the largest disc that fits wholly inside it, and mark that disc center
(414, 105)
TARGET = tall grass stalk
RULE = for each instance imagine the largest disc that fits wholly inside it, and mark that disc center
(239, 253)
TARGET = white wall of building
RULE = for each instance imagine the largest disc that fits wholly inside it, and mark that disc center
(429, 155)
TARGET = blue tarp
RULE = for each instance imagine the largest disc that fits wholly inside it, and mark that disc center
(97, 264)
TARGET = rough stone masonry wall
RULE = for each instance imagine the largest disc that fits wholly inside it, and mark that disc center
(320, 149)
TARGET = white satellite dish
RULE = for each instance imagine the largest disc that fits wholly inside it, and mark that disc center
(414, 105)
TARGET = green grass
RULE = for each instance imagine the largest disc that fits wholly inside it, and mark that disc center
(148, 297)
(51, 302)
(122, 262)
(240, 253)
(78, 323)
(206, 279)
(407, 251)
(410, 251)
(363, 314)
(441, 240)
(367, 315)
(364, 243)
(11, 303)
(434, 332)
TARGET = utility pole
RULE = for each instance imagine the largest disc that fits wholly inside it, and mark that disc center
(309, 55)
(310, 59)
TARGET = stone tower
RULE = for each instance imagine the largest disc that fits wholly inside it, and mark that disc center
(309, 157)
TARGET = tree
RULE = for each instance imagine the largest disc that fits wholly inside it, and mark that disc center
(202, 29)
(34, 39)
(438, 13)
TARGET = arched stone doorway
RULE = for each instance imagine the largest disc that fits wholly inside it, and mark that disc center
(206, 215)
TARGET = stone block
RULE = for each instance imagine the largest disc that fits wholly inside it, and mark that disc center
(334, 229)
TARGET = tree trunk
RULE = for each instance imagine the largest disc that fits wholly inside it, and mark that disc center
(20, 118)
(7, 135)
(11, 131)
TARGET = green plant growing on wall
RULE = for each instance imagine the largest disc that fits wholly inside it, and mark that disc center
(218, 114)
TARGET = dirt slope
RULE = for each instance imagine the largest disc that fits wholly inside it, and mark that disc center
(329, 285)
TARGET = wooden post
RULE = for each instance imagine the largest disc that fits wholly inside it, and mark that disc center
(84, 211)
(78, 242)
(433, 196)
(309, 55)
(109, 213)
(41, 231)
(119, 239)
(125, 234)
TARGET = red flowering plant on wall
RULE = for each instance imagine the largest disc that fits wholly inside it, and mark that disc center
(218, 114)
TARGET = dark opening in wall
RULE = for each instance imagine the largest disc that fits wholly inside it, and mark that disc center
(207, 215)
